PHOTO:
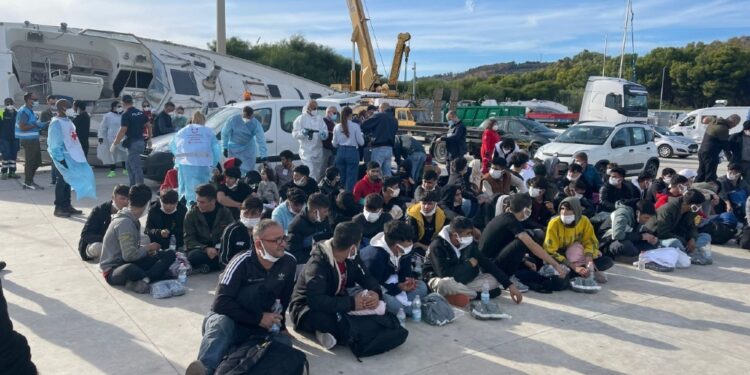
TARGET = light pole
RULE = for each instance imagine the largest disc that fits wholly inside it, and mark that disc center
(221, 29)
(661, 95)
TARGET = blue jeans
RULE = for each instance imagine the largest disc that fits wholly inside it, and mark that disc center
(134, 164)
(9, 151)
(417, 160)
(220, 332)
(347, 161)
(392, 304)
(701, 241)
(383, 155)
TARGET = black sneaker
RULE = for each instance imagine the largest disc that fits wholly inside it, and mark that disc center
(37, 187)
(73, 211)
(61, 212)
(204, 268)
(2, 265)
(653, 266)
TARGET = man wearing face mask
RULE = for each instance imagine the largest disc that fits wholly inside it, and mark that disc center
(204, 224)
(734, 190)
(542, 210)
(616, 189)
(388, 259)
(577, 189)
(382, 127)
(8, 143)
(590, 174)
(372, 218)
(643, 183)
(163, 121)
(455, 139)
(661, 184)
(165, 219)
(456, 269)
(330, 185)
(301, 180)
(287, 210)
(575, 174)
(310, 131)
(371, 182)
(508, 238)
(499, 180)
(330, 119)
(92, 234)
(248, 288)
(27, 132)
(124, 260)
(243, 137)
(677, 187)
(108, 129)
(427, 220)
(179, 120)
(237, 237)
(571, 240)
(233, 191)
(624, 232)
(676, 227)
(391, 192)
(715, 140)
(311, 225)
(429, 183)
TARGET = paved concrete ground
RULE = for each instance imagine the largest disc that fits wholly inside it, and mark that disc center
(694, 321)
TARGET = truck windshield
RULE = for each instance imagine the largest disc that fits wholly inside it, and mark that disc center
(636, 102)
(159, 83)
(585, 135)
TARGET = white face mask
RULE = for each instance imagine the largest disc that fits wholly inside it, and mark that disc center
(289, 206)
(568, 219)
(571, 177)
(426, 189)
(232, 187)
(609, 170)
(747, 133)
(372, 217)
(299, 182)
(506, 150)
(317, 217)
(427, 213)
(465, 241)
(614, 180)
(526, 214)
(10, 107)
(731, 176)
(534, 192)
(118, 110)
(496, 128)
(667, 180)
(168, 213)
(395, 192)
(683, 189)
(249, 222)
(406, 250)
(266, 255)
(579, 196)
(496, 173)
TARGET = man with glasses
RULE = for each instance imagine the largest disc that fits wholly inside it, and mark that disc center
(247, 291)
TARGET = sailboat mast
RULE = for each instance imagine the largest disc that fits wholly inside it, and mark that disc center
(624, 37)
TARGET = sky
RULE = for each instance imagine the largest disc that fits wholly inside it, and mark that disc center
(447, 35)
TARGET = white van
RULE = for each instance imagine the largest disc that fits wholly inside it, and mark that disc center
(692, 125)
(276, 116)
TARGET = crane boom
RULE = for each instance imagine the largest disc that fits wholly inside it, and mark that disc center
(398, 55)
(361, 37)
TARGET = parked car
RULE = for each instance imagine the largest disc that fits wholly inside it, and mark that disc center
(528, 134)
(276, 116)
(631, 145)
(669, 144)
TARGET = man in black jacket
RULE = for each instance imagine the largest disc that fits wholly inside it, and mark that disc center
(309, 226)
(237, 238)
(301, 180)
(715, 140)
(320, 295)
(247, 291)
(163, 122)
(616, 189)
(92, 234)
(740, 144)
(455, 140)
(382, 127)
(373, 218)
(82, 122)
(166, 219)
(455, 268)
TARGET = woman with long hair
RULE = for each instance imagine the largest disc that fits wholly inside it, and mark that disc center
(347, 138)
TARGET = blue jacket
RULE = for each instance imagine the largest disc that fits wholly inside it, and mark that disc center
(282, 215)
(31, 119)
(455, 140)
(377, 261)
(383, 127)
(592, 177)
(7, 125)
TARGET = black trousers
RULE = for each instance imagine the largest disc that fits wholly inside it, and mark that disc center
(198, 258)
(627, 248)
(708, 162)
(62, 193)
(324, 322)
(510, 257)
(154, 267)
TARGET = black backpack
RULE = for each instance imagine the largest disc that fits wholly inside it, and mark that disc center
(720, 232)
(262, 356)
(374, 334)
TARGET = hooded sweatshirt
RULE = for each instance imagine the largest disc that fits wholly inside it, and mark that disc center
(625, 226)
(386, 268)
(560, 236)
(303, 232)
(122, 242)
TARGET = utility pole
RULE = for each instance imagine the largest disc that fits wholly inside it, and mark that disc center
(414, 83)
(624, 37)
(221, 28)
(604, 60)
(661, 95)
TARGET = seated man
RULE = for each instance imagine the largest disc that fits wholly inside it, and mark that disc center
(456, 269)
(320, 295)
(388, 259)
(500, 180)
(204, 225)
(590, 174)
(285, 212)
(330, 184)
(734, 190)
(616, 189)
(429, 183)
(247, 291)
(166, 219)
(92, 234)
(643, 184)
(660, 184)
(233, 191)
(678, 185)
(624, 234)
(575, 173)
(577, 189)
(372, 219)
(124, 260)
(570, 239)
(237, 237)
(392, 201)
(309, 226)
(345, 208)
(427, 220)
(301, 180)
(371, 182)
(508, 238)
(675, 227)
(542, 210)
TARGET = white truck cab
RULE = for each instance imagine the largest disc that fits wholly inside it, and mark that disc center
(614, 100)
(692, 126)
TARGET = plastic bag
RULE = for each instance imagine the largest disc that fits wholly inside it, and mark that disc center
(180, 258)
(166, 289)
(436, 311)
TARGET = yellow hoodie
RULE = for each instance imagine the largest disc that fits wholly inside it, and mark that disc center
(560, 236)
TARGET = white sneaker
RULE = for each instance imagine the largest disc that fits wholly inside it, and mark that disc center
(325, 339)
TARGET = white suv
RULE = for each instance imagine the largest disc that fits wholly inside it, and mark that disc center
(631, 145)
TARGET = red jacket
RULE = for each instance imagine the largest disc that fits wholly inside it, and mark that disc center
(489, 140)
(365, 187)
(170, 180)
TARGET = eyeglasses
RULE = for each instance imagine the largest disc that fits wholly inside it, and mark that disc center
(277, 241)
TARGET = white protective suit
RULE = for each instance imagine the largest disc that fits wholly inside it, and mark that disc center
(311, 150)
(108, 129)
(196, 152)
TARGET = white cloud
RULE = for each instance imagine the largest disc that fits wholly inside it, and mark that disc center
(470, 5)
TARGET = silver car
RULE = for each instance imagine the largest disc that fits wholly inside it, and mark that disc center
(669, 144)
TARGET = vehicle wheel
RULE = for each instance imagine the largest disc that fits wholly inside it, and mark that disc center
(440, 152)
(652, 166)
(665, 151)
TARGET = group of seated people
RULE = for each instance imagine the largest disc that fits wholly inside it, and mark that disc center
(526, 225)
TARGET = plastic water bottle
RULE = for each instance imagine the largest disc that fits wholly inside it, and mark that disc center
(485, 296)
(416, 309)
(418, 266)
(401, 317)
(182, 274)
(641, 262)
(277, 309)
(172, 243)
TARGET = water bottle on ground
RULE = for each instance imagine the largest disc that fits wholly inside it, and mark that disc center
(485, 296)
(276, 308)
(172, 243)
(641, 264)
(182, 274)
(416, 309)
(401, 317)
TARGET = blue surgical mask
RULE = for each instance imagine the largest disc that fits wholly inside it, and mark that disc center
(335, 117)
